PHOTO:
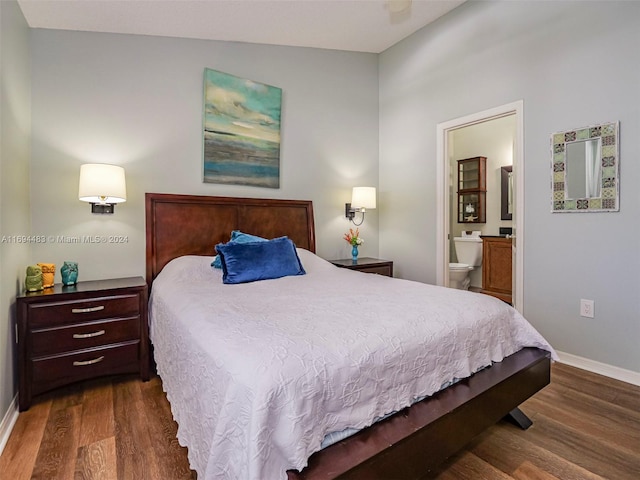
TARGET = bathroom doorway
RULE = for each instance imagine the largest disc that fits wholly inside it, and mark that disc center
(463, 138)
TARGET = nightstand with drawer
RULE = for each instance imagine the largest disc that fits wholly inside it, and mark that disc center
(367, 265)
(71, 333)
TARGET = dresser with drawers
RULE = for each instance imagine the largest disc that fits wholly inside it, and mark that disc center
(72, 333)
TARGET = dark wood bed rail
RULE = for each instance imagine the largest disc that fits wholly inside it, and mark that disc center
(411, 443)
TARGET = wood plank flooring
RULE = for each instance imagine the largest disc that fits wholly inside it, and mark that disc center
(586, 427)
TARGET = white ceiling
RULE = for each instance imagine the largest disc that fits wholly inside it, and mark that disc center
(354, 25)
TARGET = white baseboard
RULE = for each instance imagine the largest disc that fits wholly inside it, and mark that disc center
(611, 371)
(8, 422)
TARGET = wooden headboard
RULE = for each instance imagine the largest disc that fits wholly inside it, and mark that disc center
(179, 225)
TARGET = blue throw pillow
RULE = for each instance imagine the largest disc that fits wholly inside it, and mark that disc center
(238, 237)
(249, 262)
(241, 237)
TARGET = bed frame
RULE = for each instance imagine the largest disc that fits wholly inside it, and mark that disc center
(407, 445)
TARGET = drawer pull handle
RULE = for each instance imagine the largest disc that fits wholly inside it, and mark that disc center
(89, 335)
(88, 309)
(88, 362)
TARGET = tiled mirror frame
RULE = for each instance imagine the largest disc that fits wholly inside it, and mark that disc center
(609, 200)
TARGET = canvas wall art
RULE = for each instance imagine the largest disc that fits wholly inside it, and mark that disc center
(241, 131)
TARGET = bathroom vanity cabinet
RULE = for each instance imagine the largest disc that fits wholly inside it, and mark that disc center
(497, 267)
(472, 190)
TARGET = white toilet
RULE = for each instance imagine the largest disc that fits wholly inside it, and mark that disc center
(469, 252)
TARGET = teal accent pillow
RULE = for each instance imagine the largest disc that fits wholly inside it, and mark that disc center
(241, 237)
(262, 260)
(238, 237)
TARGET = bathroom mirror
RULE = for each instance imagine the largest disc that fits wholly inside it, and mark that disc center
(506, 193)
(584, 169)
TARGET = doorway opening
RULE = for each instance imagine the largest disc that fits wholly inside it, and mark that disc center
(448, 133)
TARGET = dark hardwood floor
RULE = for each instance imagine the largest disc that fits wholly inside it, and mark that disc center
(585, 427)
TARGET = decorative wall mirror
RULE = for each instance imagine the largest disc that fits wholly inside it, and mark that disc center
(506, 193)
(584, 169)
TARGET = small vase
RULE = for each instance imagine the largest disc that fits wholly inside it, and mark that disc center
(354, 253)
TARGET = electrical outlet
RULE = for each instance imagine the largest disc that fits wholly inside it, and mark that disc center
(586, 308)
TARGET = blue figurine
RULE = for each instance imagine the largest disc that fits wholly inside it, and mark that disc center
(69, 273)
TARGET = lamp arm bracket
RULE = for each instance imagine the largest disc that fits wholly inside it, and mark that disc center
(350, 213)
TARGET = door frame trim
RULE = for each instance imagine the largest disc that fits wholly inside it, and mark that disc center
(442, 189)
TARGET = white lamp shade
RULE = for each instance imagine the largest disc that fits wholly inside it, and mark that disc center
(363, 197)
(100, 183)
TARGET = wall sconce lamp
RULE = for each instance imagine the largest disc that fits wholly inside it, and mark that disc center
(361, 199)
(103, 186)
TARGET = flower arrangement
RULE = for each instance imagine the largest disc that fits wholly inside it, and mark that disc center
(353, 238)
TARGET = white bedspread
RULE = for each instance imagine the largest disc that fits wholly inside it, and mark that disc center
(257, 374)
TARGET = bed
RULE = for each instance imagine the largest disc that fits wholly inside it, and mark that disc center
(255, 388)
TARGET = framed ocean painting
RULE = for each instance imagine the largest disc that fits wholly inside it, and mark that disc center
(241, 131)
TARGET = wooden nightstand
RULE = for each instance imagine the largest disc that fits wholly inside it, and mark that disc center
(367, 265)
(71, 333)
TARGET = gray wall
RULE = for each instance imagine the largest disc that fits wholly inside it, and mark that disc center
(15, 119)
(136, 101)
(572, 67)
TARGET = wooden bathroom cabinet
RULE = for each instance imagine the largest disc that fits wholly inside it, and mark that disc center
(472, 190)
(497, 267)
